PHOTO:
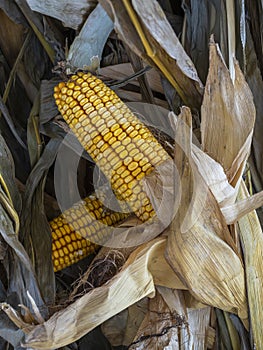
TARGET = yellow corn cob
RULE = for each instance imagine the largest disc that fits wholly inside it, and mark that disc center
(116, 139)
(78, 231)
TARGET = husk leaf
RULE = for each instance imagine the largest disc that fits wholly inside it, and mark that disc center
(205, 243)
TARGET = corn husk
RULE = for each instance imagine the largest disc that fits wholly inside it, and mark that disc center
(252, 243)
(103, 302)
(227, 108)
(204, 242)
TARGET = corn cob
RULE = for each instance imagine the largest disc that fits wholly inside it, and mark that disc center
(121, 145)
(80, 230)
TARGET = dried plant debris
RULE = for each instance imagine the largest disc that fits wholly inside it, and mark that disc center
(190, 278)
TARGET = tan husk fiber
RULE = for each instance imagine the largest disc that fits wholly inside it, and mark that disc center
(252, 242)
(134, 282)
(197, 247)
(228, 117)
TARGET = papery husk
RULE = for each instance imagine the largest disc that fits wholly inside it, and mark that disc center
(252, 243)
(199, 247)
(71, 13)
(198, 334)
(104, 302)
(225, 194)
(160, 328)
(229, 110)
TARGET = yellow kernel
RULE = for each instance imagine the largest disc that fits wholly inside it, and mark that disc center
(85, 76)
(133, 133)
(65, 250)
(143, 161)
(111, 140)
(76, 94)
(118, 131)
(100, 144)
(62, 241)
(58, 245)
(75, 109)
(68, 100)
(92, 84)
(111, 123)
(127, 160)
(90, 93)
(132, 166)
(73, 104)
(64, 90)
(97, 102)
(78, 114)
(126, 141)
(119, 149)
(133, 152)
(108, 136)
(130, 147)
(58, 233)
(137, 189)
(101, 93)
(146, 166)
(73, 236)
(136, 172)
(67, 239)
(116, 144)
(120, 169)
(129, 179)
(140, 176)
(118, 183)
(74, 77)
(123, 154)
(125, 173)
(123, 188)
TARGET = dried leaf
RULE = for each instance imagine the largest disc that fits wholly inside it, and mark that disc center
(252, 243)
(69, 12)
(91, 40)
(227, 108)
(35, 230)
(7, 173)
(236, 211)
(160, 328)
(220, 278)
(171, 57)
(198, 320)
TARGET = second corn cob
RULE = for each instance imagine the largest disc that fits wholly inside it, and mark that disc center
(116, 139)
(80, 230)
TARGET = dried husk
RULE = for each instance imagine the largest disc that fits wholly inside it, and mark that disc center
(160, 328)
(228, 117)
(71, 13)
(104, 302)
(252, 243)
(203, 243)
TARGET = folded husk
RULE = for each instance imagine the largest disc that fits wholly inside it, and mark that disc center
(104, 302)
(201, 254)
(228, 117)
